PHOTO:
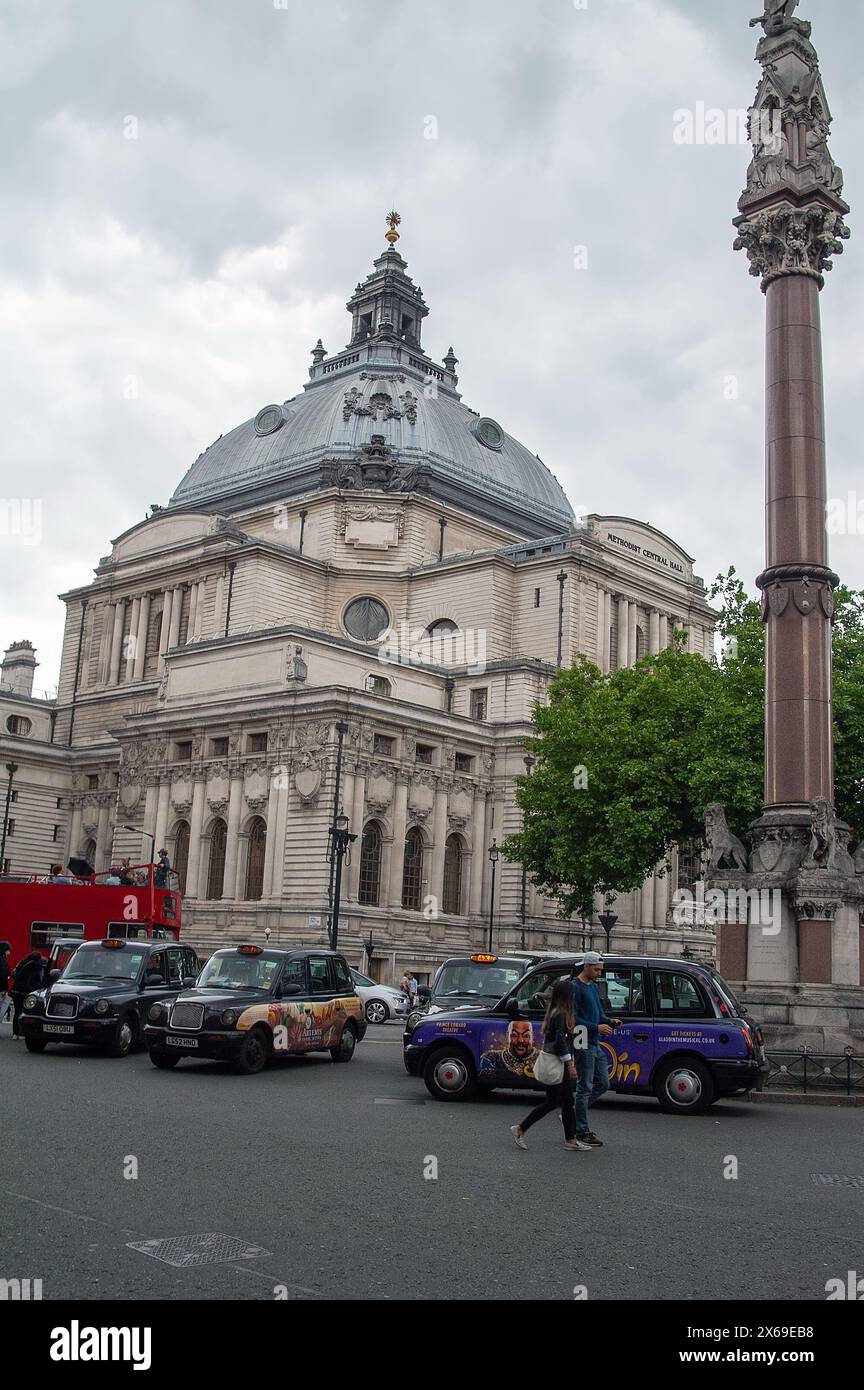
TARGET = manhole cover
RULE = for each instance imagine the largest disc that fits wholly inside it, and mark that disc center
(212, 1249)
(398, 1100)
(836, 1180)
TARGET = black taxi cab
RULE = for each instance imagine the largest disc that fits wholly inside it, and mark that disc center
(252, 1003)
(102, 995)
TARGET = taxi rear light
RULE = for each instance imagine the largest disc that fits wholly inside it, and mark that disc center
(249, 950)
(484, 960)
(747, 1038)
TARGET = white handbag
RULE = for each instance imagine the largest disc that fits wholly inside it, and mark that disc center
(548, 1069)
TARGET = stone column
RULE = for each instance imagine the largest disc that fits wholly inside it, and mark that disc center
(163, 809)
(272, 817)
(397, 854)
(132, 642)
(280, 832)
(798, 599)
(103, 841)
(623, 631)
(141, 631)
(193, 612)
(356, 816)
(196, 825)
(478, 852)
(631, 633)
(661, 896)
(231, 887)
(176, 609)
(117, 642)
(219, 608)
(646, 911)
(75, 831)
(599, 655)
(104, 668)
(653, 632)
(164, 628)
(439, 832)
(150, 804)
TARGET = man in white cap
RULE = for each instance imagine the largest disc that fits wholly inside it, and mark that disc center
(591, 1064)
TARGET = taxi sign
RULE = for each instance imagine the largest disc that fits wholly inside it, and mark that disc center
(485, 960)
(112, 944)
(248, 950)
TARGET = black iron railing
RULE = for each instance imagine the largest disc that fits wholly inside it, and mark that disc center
(810, 1072)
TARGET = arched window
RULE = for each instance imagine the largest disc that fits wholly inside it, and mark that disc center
(216, 866)
(412, 870)
(451, 897)
(181, 852)
(441, 626)
(255, 862)
(370, 866)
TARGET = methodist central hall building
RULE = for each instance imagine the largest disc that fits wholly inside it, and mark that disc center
(374, 556)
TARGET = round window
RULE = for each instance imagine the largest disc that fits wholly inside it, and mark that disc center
(19, 724)
(489, 432)
(366, 619)
(268, 420)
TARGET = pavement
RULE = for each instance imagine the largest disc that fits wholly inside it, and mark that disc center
(316, 1181)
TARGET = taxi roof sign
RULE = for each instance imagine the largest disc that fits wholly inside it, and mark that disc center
(111, 943)
(249, 950)
(484, 960)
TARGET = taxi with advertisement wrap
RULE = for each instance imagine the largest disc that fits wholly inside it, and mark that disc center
(251, 1003)
(683, 1036)
(103, 993)
(465, 981)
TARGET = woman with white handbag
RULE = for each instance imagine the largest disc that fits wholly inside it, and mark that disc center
(555, 1070)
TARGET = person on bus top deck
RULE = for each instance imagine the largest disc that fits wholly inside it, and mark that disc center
(125, 872)
(163, 869)
(30, 973)
(57, 875)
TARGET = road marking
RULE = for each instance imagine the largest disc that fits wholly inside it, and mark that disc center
(399, 1100)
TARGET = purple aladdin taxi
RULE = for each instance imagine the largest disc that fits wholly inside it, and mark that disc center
(684, 1037)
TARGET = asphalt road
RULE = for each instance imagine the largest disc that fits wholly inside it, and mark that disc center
(320, 1182)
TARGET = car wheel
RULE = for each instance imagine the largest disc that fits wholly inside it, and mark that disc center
(253, 1054)
(684, 1086)
(347, 1043)
(449, 1074)
(163, 1060)
(123, 1040)
(377, 1011)
(35, 1044)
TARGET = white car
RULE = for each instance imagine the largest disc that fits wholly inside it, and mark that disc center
(380, 1002)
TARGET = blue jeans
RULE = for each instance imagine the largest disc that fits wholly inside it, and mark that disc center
(593, 1081)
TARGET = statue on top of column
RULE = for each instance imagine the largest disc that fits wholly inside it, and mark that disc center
(778, 17)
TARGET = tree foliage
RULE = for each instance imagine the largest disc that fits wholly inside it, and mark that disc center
(626, 763)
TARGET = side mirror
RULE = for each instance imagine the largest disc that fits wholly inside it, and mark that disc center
(153, 977)
(53, 975)
(188, 982)
(512, 1007)
(290, 989)
(424, 994)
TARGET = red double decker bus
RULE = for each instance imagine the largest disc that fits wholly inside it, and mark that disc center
(38, 909)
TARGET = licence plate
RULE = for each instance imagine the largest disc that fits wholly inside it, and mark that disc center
(181, 1042)
(58, 1027)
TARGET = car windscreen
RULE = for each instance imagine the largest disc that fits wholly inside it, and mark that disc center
(472, 979)
(101, 963)
(234, 971)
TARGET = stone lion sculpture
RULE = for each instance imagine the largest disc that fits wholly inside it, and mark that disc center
(721, 844)
(822, 850)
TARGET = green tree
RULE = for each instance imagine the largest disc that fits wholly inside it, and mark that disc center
(627, 762)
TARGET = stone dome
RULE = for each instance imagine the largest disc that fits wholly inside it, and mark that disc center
(381, 415)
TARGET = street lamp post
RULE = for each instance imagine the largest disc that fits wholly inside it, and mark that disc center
(341, 731)
(529, 762)
(340, 842)
(607, 921)
(562, 580)
(493, 860)
(151, 838)
(11, 769)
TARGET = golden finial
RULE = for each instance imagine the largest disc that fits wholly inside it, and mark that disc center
(393, 219)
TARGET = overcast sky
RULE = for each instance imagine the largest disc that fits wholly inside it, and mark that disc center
(158, 290)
